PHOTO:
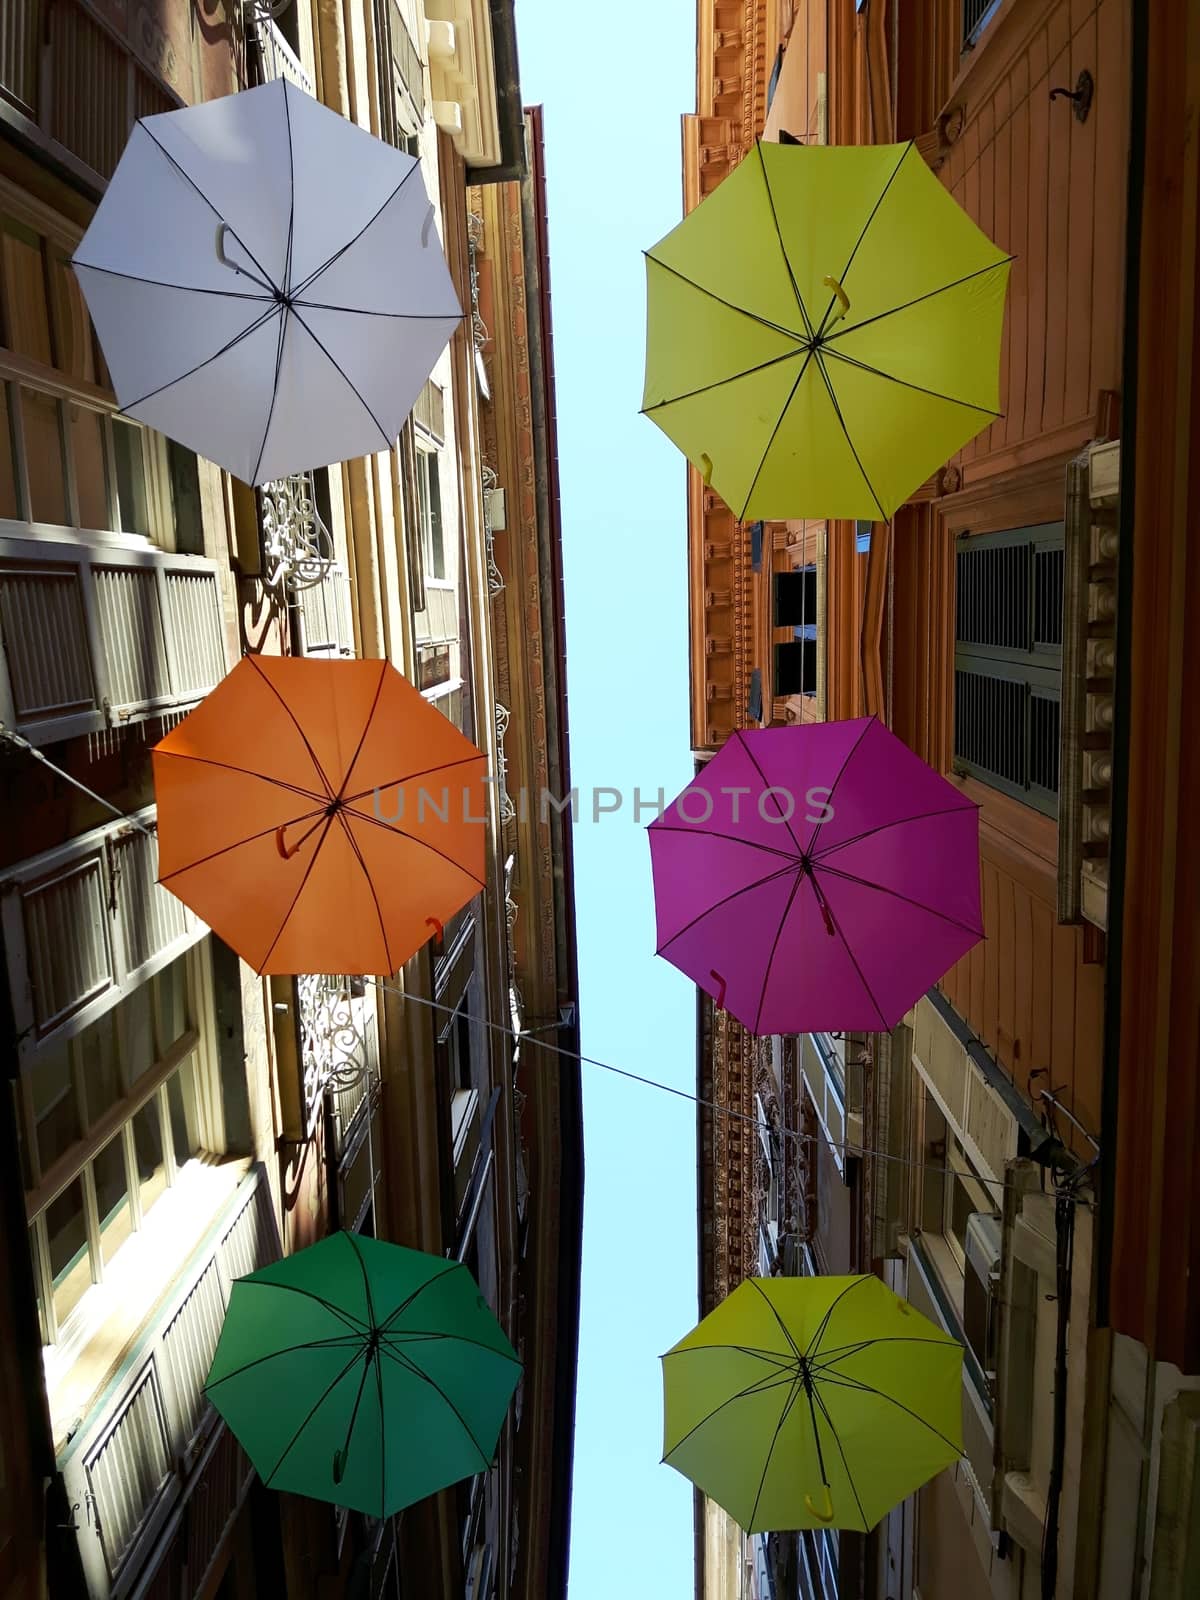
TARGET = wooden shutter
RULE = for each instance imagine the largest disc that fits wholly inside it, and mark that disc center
(97, 634)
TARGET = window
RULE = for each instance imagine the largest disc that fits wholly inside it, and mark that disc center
(754, 705)
(1008, 661)
(862, 538)
(107, 1121)
(756, 546)
(429, 508)
(976, 14)
(953, 1193)
(796, 608)
(66, 461)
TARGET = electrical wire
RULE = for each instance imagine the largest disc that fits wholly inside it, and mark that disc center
(798, 1136)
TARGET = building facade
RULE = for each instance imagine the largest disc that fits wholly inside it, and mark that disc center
(172, 1120)
(1016, 1157)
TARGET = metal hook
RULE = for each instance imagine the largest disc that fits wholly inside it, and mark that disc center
(1081, 95)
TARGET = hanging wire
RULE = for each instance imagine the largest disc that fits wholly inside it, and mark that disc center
(795, 1134)
(17, 741)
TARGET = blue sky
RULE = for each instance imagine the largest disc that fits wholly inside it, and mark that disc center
(614, 187)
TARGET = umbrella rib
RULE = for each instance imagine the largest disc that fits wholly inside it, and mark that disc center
(237, 844)
(762, 993)
(814, 1343)
(287, 1350)
(730, 838)
(296, 897)
(837, 411)
(783, 1327)
(387, 443)
(917, 300)
(746, 888)
(246, 772)
(365, 1357)
(366, 727)
(283, 322)
(728, 304)
(265, 280)
(259, 322)
(862, 977)
(366, 1281)
(787, 821)
(287, 260)
(841, 1452)
(774, 1356)
(890, 377)
(900, 822)
(339, 1312)
(404, 1304)
(369, 311)
(874, 209)
(337, 254)
(382, 1439)
(358, 856)
(415, 838)
(422, 1336)
(774, 431)
(783, 1416)
(788, 355)
(850, 754)
(760, 1386)
(839, 1380)
(879, 888)
(291, 1444)
(844, 1352)
(442, 766)
(320, 770)
(411, 1366)
(808, 328)
(157, 283)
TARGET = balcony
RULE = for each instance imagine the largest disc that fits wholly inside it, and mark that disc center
(152, 1464)
(976, 14)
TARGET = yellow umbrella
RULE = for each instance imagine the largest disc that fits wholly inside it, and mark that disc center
(808, 1402)
(823, 331)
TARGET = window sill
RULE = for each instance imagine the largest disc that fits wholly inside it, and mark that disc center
(110, 1315)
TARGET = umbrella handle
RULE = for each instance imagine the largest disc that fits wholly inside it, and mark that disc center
(843, 297)
(713, 973)
(706, 470)
(425, 227)
(281, 847)
(824, 1511)
(439, 931)
(222, 229)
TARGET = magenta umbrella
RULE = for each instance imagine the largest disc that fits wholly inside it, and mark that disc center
(819, 877)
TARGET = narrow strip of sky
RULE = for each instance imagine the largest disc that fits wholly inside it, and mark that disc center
(614, 184)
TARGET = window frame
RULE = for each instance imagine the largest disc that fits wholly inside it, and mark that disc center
(428, 472)
(1038, 668)
(195, 1047)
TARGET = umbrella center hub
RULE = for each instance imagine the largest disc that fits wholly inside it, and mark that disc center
(283, 299)
(332, 809)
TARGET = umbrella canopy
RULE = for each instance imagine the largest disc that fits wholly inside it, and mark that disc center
(362, 1373)
(320, 816)
(817, 877)
(823, 331)
(807, 1402)
(275, 316)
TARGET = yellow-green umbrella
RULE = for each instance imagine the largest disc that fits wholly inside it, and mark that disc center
(808, 1402)
(823, 331)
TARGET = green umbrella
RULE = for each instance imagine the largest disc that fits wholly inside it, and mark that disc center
(363, 1373)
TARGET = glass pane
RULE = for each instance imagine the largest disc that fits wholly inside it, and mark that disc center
(99, 1068)
(70, 1263)
(137, 1024)
(35, 1257)
(44, 458)
(54, 1103)
(185, 1121)
(185, 498)
(112, 1196)
(8, 478)
(91, 476)
(171, 987)
(148, 1149)
(129, 448)
(26, 315)
(437, 549)
(72, 331)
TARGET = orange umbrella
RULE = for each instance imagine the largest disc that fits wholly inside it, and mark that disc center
(320, 816)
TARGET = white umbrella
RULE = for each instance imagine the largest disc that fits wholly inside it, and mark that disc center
(267, 282)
